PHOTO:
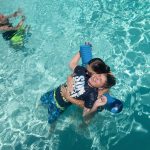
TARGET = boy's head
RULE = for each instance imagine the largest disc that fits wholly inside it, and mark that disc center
(101, 76)
(2, 17)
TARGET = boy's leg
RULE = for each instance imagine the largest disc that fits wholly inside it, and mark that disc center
(46, 98)
(52, 127)
(38, 102)
(53, 113)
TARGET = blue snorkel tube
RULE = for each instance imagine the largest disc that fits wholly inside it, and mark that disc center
(113, 105)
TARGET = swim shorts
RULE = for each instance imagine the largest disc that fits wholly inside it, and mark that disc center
(8, 34)
(53, 111)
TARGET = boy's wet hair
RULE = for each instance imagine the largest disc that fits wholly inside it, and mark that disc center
(111, 81)
(99, 66)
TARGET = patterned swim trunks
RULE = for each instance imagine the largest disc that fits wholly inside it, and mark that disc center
(53, 111)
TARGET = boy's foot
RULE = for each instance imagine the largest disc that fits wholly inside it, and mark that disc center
(83, 125)
(52, 127)
(37, 105)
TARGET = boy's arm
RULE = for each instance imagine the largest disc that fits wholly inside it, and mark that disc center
(89, 113)
(66, 94)
(102, 91)
(74, 62)
(75, 101)
(7, 28)
(70, 83)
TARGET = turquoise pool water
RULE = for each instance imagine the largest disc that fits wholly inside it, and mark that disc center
(120, 33)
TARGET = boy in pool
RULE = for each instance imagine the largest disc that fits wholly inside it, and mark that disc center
(95, 68)
(6, 27)
(15, 34)
(84, 88)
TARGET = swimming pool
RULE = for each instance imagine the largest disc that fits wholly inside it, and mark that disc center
(119, 32)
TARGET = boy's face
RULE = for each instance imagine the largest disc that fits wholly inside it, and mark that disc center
(97, 80)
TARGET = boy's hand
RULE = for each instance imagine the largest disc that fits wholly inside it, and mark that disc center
(23, 18)
(18, 13)
(65, 93)
(100, 102)
(88, 43)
